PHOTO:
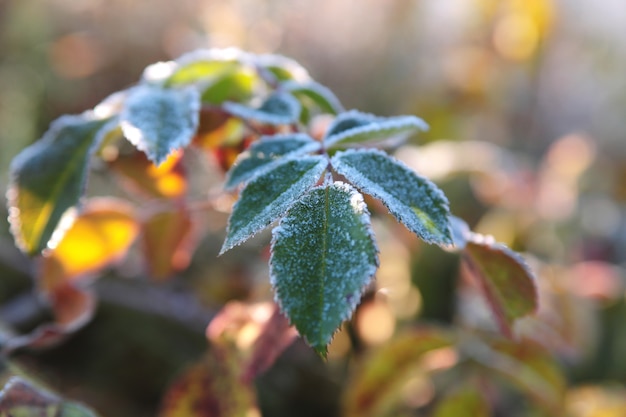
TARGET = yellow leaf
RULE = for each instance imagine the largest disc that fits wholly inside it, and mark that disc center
(100, 236)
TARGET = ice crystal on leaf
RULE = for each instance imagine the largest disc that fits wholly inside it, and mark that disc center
(354, 127)
(415, 201)
(158, 121)
(268, 196)
(323, 256)
(264, 153)
(277, 109)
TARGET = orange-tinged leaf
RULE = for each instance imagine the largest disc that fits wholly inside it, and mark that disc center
(167, 241)
(377, 384)
(100, 236)
(139, 174)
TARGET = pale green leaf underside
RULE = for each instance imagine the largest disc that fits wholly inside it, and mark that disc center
(159, 121)
(355, 127)
(415, 201)
(268, 196)
(318, 93)
(263, 153)
(48, 177)
(277, 109)
(323, 256)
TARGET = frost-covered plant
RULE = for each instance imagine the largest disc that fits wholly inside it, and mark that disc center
(323, 250)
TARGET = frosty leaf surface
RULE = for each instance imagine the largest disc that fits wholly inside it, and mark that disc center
(159, 121)
(201, 72)
(354, 127)
(277, 109)
(264, 152)
(323, 256)
(413, 200)
(506, 281)
(48, 177)
(268, 196)
(321, 95)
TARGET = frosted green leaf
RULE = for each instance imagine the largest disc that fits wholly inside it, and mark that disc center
(201, 72)
(268, 196)
(282, 68)
(354, 127)
(159, 121)
(263, 153)
(506, 281)
(48, 177)
(413, 200)
(323, 256)
(277, 109)
(322, 96)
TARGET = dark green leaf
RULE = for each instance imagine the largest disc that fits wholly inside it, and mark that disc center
(323, 256)
(159, 121)
(413, 200)
(504, 277)
(268, 196)
(354, 127)
(48, 177)
(264, 152)
(277, 109)
(319, 94)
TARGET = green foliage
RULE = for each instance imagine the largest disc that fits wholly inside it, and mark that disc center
(323, 256)
(48, 177)
(323, 253)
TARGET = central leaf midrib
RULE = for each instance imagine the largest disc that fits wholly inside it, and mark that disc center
(322, 274)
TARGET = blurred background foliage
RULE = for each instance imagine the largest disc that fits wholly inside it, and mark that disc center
(525, 100)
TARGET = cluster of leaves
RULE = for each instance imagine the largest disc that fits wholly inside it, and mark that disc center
(323, 251)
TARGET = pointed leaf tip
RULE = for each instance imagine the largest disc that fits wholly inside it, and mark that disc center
(323, 256)
(413, 200)
(158, 121)
(268, 196)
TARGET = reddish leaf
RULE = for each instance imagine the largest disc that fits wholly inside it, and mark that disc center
(72, 308)
(376, 385)
(211, 388)
(167, 241)
(100, 236)
(139, 174)
(505, 279)
(276, 336)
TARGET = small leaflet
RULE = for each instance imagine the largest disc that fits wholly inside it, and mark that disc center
(159, 121)
(282, 68)
(268, 196)
(354, 127)
(278, 109)
(321, 95)
(503, 276)
(413, 200)
(262, 153)
(323, 255)
(49, 177)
